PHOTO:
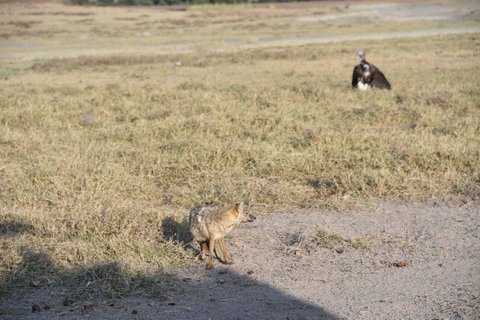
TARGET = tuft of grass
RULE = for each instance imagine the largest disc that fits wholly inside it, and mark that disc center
(324, 239)
(358, 244)
(313, 238)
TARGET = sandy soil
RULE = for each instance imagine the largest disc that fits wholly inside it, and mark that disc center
(369, 36)
(281, 273)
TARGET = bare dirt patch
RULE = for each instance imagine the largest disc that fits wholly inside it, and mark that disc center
(419, 262)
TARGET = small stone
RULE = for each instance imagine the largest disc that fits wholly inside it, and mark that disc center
(151, 304)
(212, 300)
(47, 307)
(134, 311)
(67, 302)
(223, 271)
(111, 304)
(297, 253)
(164, 299)
(340, 251)
(35, 283)
(221, 281)
(401, 264)
(36, 308)
(187, 279)
(85, 309)
(172, 304)
(250, 272)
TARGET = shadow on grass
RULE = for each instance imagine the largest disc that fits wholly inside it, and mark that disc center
(109, 291)
(14, 228)
(177, 232)
(207, 295)
(34, 262)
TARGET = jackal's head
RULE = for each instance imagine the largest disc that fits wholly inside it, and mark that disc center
(243, 215)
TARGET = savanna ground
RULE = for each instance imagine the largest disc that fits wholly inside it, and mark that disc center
(114, 122)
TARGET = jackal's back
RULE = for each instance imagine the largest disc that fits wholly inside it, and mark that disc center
(199, 220)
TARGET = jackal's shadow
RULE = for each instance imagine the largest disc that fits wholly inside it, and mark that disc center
(177, 231)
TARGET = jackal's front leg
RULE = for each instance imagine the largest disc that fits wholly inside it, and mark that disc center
(224, 251)
(211, 248)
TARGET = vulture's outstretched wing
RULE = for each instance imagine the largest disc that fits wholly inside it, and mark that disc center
(378, 79)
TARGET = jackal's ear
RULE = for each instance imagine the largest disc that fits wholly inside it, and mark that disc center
(240, 208)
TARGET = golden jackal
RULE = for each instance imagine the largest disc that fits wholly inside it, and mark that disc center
(208, 224)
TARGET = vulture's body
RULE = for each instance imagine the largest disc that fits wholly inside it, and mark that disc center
(366, 76)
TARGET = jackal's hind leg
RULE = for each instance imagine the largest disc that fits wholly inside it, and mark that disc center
(216, 254)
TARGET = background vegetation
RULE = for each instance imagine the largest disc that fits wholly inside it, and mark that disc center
(102, 156)
(165, 2)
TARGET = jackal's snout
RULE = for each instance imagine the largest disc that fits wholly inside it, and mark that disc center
(249, 218)
(244, 215)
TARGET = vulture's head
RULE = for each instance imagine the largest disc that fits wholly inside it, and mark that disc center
(361, 54)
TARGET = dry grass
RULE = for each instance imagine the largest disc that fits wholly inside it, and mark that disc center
(103, 156)
(313, 238)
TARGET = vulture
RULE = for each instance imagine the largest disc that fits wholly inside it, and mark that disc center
(366, 75)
